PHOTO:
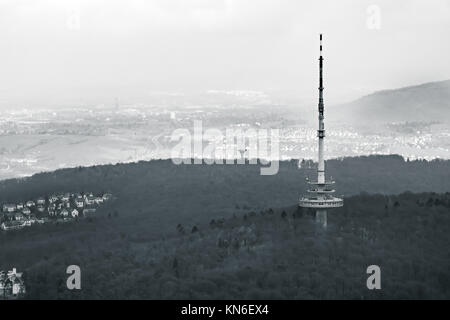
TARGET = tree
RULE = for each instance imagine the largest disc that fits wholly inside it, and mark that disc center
(180, 228)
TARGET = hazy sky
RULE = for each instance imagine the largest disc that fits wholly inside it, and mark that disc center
(64, 49)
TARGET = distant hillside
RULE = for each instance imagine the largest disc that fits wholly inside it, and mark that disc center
(425, 102)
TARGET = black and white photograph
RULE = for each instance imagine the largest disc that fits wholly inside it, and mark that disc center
(224, 154)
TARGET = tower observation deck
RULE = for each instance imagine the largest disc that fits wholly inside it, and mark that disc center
(320, 195)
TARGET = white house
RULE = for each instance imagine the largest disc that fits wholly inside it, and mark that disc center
(30, 204)
(11, 284)
(98, 200)
(19, 216)
(74, 213)
(79, 202)
(9, 207)
(90, 200)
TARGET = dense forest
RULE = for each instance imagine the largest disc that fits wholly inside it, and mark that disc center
(222, 231)
(169, 193)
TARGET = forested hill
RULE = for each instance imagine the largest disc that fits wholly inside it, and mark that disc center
(157, 239)
(270, 254)
(162, 184)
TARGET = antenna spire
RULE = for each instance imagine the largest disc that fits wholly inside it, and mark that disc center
(320, 44)
(321, 80)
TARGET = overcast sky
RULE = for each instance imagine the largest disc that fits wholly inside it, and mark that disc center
(60, 49)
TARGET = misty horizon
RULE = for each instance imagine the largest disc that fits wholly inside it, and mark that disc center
(72, 52)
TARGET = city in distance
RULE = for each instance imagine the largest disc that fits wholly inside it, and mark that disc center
(411, 122)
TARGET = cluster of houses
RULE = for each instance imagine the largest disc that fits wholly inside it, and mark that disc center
(60, 207)
(11, 284)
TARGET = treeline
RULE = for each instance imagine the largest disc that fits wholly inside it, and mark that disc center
(217, 190)
(167, 193)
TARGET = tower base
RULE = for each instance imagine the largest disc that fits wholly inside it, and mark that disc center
(321, 217)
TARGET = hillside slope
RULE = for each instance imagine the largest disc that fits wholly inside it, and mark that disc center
(425, 102)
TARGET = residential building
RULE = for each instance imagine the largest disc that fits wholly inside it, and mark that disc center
(74, 213)
(11, 284)
(9, 208)
(30, 204)
(64, 213)
(98, 200)
(79, 202)
(19, 216)
(90, 200)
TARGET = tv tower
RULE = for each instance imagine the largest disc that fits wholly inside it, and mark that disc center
(320, 195)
